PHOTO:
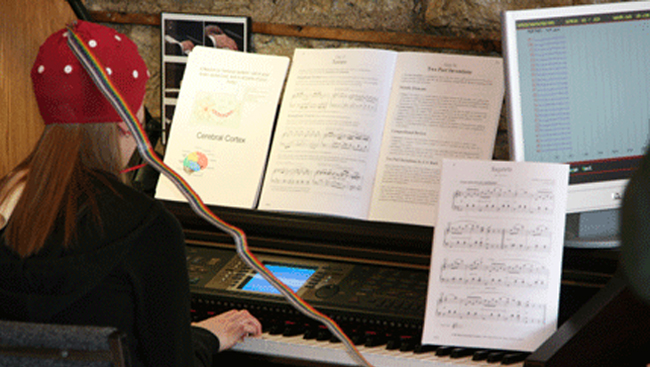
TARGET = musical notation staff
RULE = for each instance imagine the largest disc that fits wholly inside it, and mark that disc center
(472, 235)
(334, 178)
(325, 140)
(322, 101)
(500, 273)
(504, 200)
(309, 101)
(492, 308)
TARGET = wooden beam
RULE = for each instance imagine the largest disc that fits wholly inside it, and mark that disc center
(390, 38)
(329, 33)
(125, 18)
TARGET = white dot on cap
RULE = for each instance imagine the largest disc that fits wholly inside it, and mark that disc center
(135, 74)
(118, 37)
(92, 43)
(109, 71)
(67, 69)
(65, 34)
(41, 69)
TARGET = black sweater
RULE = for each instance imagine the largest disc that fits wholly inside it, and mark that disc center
(128, 272)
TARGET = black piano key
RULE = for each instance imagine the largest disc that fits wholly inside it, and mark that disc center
(395, 342)
(494, 357)
(461, 352)
(276, 328)
(323, 335)
(481, 355)
(334, 339)
(358, 339)
(267, 325)
(293, 329)
(419, 349)
(512, 358)
(375, 339)
(407, 345)
(310, 333)
(444, 351)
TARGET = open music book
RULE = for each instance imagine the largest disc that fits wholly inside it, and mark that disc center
(360, 132)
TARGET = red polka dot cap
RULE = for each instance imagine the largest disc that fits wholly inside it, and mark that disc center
(65, 92)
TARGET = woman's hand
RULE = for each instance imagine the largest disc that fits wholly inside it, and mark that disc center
(231, 327)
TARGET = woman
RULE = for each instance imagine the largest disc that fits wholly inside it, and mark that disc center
(79, 246)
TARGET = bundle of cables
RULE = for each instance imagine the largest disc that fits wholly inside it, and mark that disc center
(100, 78)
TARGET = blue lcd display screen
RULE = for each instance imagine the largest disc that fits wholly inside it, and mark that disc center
(293, 276)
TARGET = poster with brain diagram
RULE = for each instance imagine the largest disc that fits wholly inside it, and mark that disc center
(222, 125)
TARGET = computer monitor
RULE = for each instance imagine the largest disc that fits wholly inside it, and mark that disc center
(578, 92)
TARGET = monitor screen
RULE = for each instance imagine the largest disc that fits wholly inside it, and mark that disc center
(293, 276)
(578, 92)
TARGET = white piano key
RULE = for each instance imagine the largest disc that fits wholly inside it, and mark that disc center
(295, 347)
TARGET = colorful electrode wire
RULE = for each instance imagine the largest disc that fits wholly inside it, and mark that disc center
(99, 76)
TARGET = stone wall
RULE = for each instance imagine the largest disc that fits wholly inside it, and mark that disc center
(460, 19)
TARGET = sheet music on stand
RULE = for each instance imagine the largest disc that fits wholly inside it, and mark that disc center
(497, 255)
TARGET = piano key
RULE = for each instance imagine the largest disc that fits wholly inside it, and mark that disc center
(481, 355)
(444, 351)
(408, 344)
(425, 348)
(358, 338)
(375, 339)
(495, 356)
(276, 329)
(461, 352)
(311, 333)
(297, 348)
(324, 334)
(294, 328)
(333, 339)
(394, 343)
(512, 358)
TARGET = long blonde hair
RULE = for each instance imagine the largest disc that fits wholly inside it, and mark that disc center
(57, 180)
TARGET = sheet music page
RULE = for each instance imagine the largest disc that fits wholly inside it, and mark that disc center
(497, 254)
(442, 106)
(222, 125)
(326, 144)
